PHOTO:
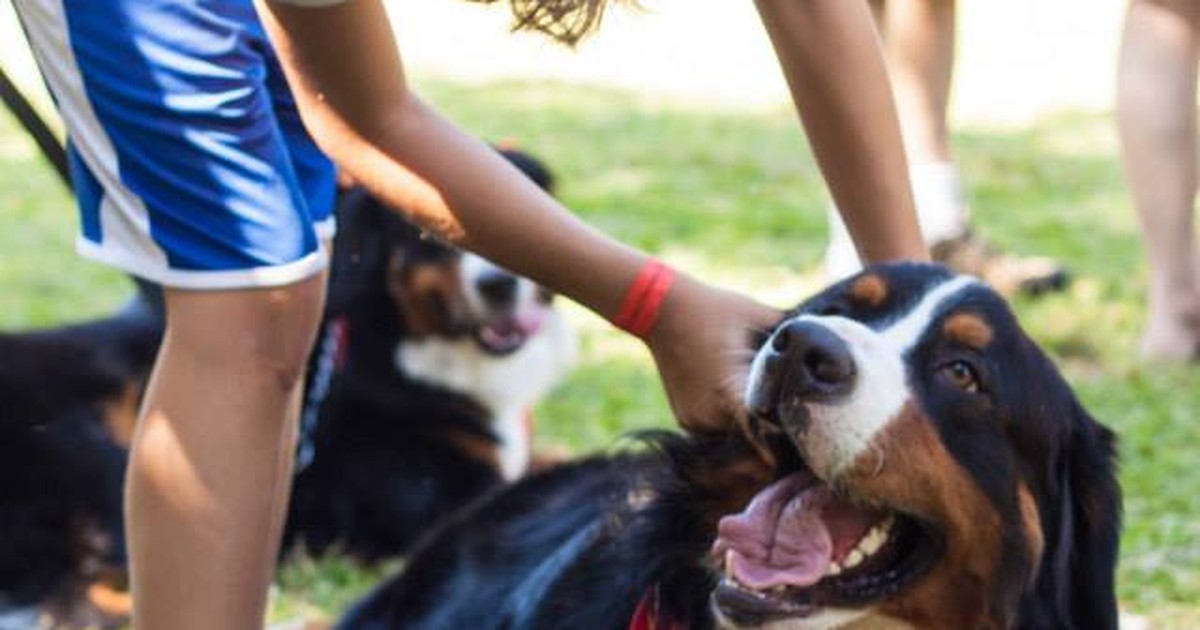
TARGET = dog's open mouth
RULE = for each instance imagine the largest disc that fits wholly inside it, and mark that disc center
(800, 547)
(506, 333)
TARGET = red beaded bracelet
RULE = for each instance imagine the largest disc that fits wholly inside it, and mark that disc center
(639, 310)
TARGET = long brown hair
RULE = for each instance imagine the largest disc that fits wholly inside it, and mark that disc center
(567, 21)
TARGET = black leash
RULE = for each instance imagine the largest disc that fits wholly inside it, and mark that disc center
(51, 147)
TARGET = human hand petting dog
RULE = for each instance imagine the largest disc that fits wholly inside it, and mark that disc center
(701, 346)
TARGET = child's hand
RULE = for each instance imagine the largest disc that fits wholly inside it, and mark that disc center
(702, 345)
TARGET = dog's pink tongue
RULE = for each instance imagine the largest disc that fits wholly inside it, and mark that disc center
(529, 320)
(780, 539)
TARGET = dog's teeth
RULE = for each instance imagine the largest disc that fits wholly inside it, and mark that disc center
(834, 569)
(729, 565)
(872, 542)
(755, 592)
(854, 559)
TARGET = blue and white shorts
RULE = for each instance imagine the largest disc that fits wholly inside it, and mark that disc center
(190, 163)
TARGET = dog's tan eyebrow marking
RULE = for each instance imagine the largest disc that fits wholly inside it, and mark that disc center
(968, 329)
(869, 289)
(412, 288)
(905, 332)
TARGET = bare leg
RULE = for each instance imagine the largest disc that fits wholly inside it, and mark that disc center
(287, 456)
(920, 46)
(920, 37)
(210, 464)
(919, 41)
(1156, 110)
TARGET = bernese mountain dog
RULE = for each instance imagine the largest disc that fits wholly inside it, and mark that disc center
(911, 460)
(68, 399)
(421, 385)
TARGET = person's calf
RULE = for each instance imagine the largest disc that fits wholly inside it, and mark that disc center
(208, 471)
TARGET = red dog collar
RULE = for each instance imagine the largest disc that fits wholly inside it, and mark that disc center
(648, 615)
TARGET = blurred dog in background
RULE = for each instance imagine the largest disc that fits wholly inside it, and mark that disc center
(68, 400)
(422, 382)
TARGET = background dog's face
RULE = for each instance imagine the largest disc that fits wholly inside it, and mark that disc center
(437, 289)
(444, 292)
(936, 470)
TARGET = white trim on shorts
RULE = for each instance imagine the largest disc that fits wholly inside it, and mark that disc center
(253, 278)
(326, 228)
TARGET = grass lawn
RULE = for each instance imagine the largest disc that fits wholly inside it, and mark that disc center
(735, 198)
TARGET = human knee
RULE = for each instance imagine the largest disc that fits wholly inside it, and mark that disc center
(280, 342)
(259, 333)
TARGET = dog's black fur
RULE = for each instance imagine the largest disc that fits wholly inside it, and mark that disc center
(60, 467)
(580, 546)
(572, 547)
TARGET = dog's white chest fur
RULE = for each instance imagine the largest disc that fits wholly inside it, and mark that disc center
(506, 386)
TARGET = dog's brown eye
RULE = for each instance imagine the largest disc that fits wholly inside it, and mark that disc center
(961, 375)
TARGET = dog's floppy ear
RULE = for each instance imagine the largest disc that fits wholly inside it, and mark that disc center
(42, 376)
(1078, 570)
(359, 242)
(367, 232)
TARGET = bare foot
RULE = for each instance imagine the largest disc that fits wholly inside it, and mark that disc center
(1172, 333)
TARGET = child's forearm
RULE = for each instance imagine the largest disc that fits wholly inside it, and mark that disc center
(343, 67)
(830, 54)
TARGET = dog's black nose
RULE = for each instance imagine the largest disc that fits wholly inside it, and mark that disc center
(812, 361)
(498, 288)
